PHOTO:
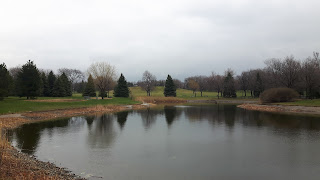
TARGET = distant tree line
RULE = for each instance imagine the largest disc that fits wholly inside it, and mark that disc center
(301, 76)
(28, 81)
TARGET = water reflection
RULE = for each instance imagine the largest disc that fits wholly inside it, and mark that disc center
(102, 133)
(178, 142)
(28, 135)
(170, 113)
(122, 118)
(148, 116)
(89, 120)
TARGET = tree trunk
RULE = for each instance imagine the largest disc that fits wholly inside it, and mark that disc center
(201, 93)
(245, 93)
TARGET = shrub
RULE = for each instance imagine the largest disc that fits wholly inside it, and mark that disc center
(278, 95)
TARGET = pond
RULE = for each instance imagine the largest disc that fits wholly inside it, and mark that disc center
(179, 142)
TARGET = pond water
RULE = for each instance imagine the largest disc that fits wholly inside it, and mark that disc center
(179, 142)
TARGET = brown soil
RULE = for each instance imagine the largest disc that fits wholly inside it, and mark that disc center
(17, 165)
(282, 108)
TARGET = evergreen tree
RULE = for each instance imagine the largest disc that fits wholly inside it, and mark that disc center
(59, 89)
(66, 84)
(121, 89)
(79, 86)
(51, 80)
(258, 86)
(4, 81)
(89, 88)
(229, 87)
(29, 81)
(170, 88)
(45, 85)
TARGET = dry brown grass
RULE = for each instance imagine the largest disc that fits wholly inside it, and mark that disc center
(160, 100)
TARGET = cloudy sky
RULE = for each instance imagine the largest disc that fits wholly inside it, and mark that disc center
(179, 37)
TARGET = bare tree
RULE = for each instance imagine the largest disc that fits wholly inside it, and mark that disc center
(202, 82)
(311, 75)
(104, 75)
(216, 82)
(286, 72)
(14, 71)
(178, 83)
(193, 85)
(148, 82)
(243, 80)
(74, 75)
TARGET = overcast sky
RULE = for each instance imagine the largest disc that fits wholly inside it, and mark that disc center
(177, 37)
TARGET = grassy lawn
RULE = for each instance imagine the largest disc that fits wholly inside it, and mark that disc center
(306, 102)
(183, 93)
(15, 104)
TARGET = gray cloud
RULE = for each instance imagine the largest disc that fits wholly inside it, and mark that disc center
(192, 37)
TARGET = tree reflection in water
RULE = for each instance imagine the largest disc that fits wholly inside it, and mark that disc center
(28, 135)
(170, 113)
(102, 133)
(148, 117)
(122, 118)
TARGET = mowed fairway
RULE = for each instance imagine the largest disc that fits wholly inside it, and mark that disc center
(15, 104)
(181, 93)
(18, 105)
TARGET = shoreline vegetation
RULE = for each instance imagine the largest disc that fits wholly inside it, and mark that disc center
(17, 165)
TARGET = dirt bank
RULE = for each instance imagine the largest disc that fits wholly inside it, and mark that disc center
(282, 108)
(17, 165)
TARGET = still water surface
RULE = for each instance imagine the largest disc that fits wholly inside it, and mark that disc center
(179, 142)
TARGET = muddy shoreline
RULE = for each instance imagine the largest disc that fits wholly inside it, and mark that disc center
(282, 109)
(17, 165)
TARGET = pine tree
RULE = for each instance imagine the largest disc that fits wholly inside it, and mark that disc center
(29, 81)
(170, 88)
(121, 89)
(66, 84)
(4, 81)
(51, 80)
(45, 85)
(89, 88)
(59, 88)
(258, 86)
(229, 87)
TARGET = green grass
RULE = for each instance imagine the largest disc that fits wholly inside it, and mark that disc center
(18, 105)
(183, 93)
(15, 104)
(306, 102)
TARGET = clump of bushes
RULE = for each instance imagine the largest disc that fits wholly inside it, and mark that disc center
(278, 95)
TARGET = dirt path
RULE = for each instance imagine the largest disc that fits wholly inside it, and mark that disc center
(282, 108)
